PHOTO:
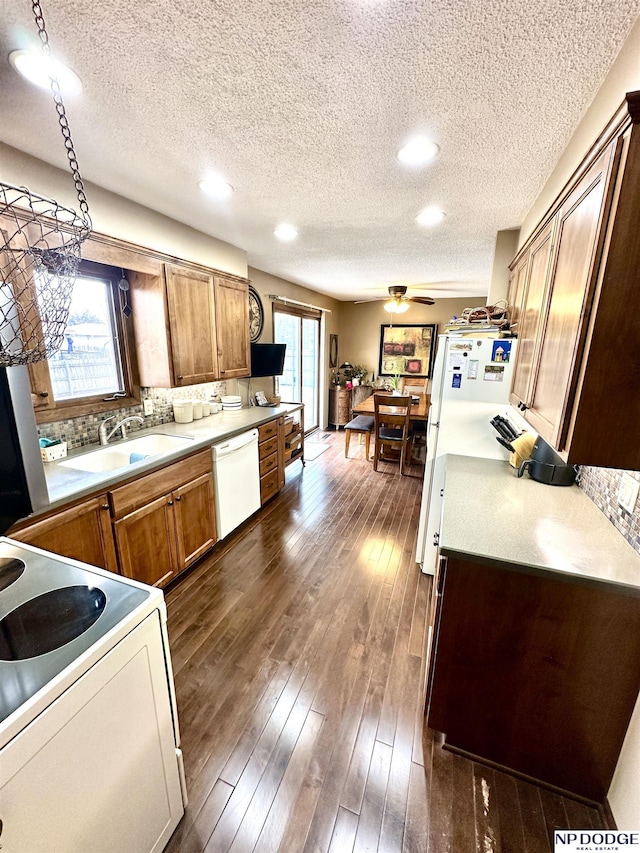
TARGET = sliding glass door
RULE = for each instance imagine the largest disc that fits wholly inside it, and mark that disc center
(299, 329)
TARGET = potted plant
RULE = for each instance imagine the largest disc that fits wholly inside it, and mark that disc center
(358, 373)
(394, 383)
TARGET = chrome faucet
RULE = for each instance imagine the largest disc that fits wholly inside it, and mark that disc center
(104, 436)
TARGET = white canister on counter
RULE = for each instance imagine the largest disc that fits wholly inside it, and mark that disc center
(206, 409)
(183, 411)
(197, 409)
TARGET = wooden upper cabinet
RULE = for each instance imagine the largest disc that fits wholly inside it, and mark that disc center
(192, 324)
(578, 373)
(516, 292)
(533, 272)
(566, 315)
(232, 327)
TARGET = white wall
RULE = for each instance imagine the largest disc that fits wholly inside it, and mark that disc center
(121, 218)
(505, 250)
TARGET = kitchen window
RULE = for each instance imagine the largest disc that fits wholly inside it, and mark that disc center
(94, 369)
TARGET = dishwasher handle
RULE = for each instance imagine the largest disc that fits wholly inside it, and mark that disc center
(225, 448)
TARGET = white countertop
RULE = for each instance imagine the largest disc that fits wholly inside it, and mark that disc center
(66, 484)
(492, 516)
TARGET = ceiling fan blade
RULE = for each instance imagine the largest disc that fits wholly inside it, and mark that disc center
(375, 299)
(423, 300)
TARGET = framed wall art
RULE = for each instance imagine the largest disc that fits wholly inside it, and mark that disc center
(407, 350)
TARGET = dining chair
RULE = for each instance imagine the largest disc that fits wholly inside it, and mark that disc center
(392, 428)
(411, 385)
(416, 385)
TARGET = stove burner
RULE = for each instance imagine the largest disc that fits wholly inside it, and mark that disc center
(49, 621)
(10, 570)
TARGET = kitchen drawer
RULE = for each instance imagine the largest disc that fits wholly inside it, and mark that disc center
(266, 448)
(269, 463)
(268, 430)
(269, 486)
(149, 486)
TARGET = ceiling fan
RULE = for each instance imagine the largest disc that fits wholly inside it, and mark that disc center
(398, 302)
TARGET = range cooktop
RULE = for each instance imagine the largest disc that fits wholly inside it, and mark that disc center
(51, 611)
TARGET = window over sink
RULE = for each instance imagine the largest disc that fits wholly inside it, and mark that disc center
(95, 368)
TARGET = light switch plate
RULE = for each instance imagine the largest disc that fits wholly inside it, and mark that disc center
(628, 494)
(147, 405)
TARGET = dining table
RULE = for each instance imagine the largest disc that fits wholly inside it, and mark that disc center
(419, 409)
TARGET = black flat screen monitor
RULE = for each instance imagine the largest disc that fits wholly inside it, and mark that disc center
(267, 359)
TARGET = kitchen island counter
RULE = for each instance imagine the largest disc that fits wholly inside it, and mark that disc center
(490, 515)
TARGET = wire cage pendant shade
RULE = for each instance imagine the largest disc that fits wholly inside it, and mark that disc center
(40, 242)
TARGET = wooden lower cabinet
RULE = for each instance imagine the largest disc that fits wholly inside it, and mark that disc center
(195, 520)
(81, 532)
(145, 541)
(535, 673)
(162, 523)
(271, 453)
(166, 520)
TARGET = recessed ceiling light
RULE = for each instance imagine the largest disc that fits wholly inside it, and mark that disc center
(430, 216)
(216, 187)
(418, 151)
(286, 232)
(38, 69)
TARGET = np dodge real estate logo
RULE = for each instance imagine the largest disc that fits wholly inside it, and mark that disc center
(592, 840)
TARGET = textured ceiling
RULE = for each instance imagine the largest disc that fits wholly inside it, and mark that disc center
(302, 108)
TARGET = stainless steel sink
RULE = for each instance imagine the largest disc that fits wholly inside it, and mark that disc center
(126, 453)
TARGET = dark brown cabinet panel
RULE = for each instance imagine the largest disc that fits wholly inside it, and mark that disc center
(562, 331)
(537, 674)
(579, 394)
(535, 271)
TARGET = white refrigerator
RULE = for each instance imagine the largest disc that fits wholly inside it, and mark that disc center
(471, 384)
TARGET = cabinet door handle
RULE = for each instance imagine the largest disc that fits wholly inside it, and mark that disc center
(179, 498)
(223, 371)
(104, 506)
(43, 393)
(169, 503)
(180, 378)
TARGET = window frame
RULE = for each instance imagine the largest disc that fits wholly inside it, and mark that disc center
(47, 408)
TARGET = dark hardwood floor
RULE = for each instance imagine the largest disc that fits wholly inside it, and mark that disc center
(299, 658)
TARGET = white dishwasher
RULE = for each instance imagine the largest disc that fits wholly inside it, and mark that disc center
(236, 479)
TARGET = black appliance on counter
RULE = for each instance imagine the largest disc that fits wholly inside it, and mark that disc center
(546, 466)
(23, 487)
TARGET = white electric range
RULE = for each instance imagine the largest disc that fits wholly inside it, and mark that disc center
(89, 738)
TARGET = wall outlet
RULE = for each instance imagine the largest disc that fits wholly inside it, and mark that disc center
(628, 494)
(147, 405)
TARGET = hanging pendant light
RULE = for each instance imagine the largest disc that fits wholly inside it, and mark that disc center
(39, 253)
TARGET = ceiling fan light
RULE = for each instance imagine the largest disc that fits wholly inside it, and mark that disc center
(418, 151)
(396, 307)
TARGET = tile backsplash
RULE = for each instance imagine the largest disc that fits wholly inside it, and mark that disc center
(602, 485)
(84, 430)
